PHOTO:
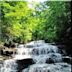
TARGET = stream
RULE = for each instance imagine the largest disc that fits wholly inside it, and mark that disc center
(37, 56)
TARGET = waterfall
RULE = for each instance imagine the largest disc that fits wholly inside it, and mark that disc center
(46, 58)
(9, 66)
(58, 67)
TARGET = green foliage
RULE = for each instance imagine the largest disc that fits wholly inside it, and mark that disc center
(43, 21)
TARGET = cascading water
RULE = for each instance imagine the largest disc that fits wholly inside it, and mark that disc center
(46, 58)
(9, 66)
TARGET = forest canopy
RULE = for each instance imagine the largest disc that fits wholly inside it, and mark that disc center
(24, 21)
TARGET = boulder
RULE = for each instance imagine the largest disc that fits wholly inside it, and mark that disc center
(22, 64)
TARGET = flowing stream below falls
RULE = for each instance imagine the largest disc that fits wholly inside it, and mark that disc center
(37, 56)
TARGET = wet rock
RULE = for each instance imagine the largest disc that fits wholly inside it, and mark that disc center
(7, 51)
(1, 52)
(49, 60)
(29, 46)
(22, 64)
(2, 48)
(67, 59)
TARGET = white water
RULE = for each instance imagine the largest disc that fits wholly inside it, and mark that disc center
(46, 57)
(9, 66)
(57, 67)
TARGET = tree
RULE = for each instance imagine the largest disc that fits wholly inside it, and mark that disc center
(48, 20)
